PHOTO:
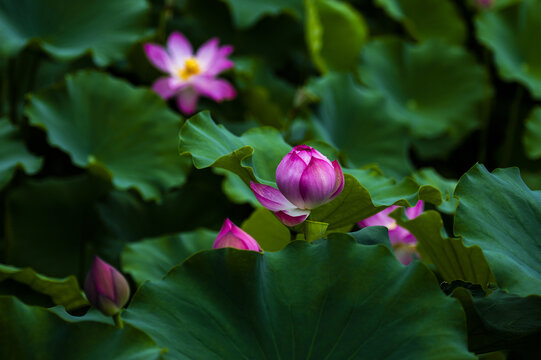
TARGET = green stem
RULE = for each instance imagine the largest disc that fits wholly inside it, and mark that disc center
(486, 108)
(118, 321)
(511, 129)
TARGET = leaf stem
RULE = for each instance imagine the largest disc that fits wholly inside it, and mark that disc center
(511, 129)
(118, 321)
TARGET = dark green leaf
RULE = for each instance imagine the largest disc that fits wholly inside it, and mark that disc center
(110, 127)
(151, 259)
(267, 230)
(335, 33)
(31, 332)
(13, 153)
(499, 213)
(66, 29)
(246, 12)
(64, 292)
(336, 299)
(532, 135)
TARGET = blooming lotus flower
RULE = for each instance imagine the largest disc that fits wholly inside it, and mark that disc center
(191, 75)
(404, 243)
(106, 288)
(231, 235)
(306, 179)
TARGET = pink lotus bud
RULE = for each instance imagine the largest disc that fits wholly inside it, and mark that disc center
(232, 236)
(306, 179)
(106, 288)
(402, 240)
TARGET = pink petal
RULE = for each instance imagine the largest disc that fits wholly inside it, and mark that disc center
(292, 217)
(166, 87)
(158, 57)
(270, 197)
(187, 100)
(339, 176)
(206, 53)
(379, 219)
(216, 89)
(179, 47)
(220, 61)
(415, 211)
(399, 235)
(232, 236)
(317, 183)
(288, 176)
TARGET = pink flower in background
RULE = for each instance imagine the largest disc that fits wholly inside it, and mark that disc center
(306, 179)
(404, 243)
(106, 288)
(191, 75)
(484, 4)
(231, 235)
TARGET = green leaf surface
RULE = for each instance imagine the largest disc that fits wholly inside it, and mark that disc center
(430, 87)
(66, 29)
(245, 13)
(446, 187)
(51, 225)
(452, 259)
(532, 134)
(31, 332)
(443, 22)
(64, 292)
(13, 154)
(335, 34)
(343, 300)
(112, 128)
(351, 119)
(371, 235)
(151, 259)
(499, 213)
(267, 230)
(236, 190)
(252, 156)
(508, 33)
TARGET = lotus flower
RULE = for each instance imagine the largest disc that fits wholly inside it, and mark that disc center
(484, 4)
(191, 75)
(404, 243)
(306, 179)
(231, 235)
(106, 288)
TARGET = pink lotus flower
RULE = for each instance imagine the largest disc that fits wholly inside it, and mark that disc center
(106, 288)
(404, 243)
(306, 179)
(231, 235)
(484, 4)
(191, 75)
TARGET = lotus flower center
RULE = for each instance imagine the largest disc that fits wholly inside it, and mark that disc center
(392, 226)
(191, 67)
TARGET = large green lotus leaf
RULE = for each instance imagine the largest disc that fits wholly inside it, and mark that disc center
(352, 119)
(13, 153)
(501, 321)
(452, 259)
(253, 156)
(508, 33)
(66, 29)
(267, 230)
(247, 12)
(31, 332)
(64, 292)
(330, 299)
(235, 189)
(429, 86)
(51, 225)
(429, 176)
(532, 134)
(499, 213)
(107, 125)
(335, 34)
(151, 259)
(444, 21)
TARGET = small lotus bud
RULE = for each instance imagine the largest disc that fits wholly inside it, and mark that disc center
(106, 288)
(232, 236)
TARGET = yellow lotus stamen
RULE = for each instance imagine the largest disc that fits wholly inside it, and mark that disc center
(392, 226)
(191, 67)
